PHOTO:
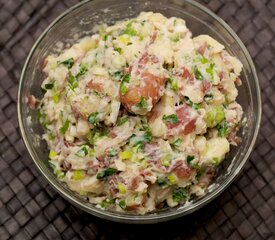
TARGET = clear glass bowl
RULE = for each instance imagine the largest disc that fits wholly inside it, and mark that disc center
(78, 22)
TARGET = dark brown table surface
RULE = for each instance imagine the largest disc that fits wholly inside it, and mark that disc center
(31, 209)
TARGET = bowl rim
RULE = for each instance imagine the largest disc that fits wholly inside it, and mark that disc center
(152, 218)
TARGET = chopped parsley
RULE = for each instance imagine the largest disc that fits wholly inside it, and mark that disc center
(67, 63)
(121, 120)
(222, 129)
(82, 152)
(189, 159)
(180, 195)
(198, 74)
(143, 103)
(106, 173)
(195, 106)
(65, 127)
(129, 30)
(93, 118)
(173, 118)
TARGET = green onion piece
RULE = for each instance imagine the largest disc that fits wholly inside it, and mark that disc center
(93, 118)
(106, 173)
(122, 204)
(122, 120)
(222, 129)
(52, 154)
(78, 174)
(173, 84)
(173, 118)
(65, 127)
(143, 103)
(129, 30)
(177, 143)
(204, 60)
(180, 194)
(67, 63)
(214, 115)
(210, 70)
(195, 106)
(56, 98)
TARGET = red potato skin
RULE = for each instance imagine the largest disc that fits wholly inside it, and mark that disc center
(150, 89)
(184, 118)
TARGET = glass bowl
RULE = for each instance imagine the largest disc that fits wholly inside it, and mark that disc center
(78, 22)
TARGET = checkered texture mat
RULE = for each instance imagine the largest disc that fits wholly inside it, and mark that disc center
(31, 209)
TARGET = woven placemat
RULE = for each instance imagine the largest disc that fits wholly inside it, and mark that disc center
(31, 209)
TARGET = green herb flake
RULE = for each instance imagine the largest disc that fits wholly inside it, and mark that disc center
(143, 103)
(189, 159)
(173, 118)
(195, 106)
(204, 60)
(112, 152)
(119, 50)
(82, 70)
(176, 143)
(72, 81)
(123, 87)
(49, 86)
(82, 152)
(106, 173)
(65, 127)
(210, 70)
(198, 74)
(67, 63)
(173, 84)
(129, 30)
(107, 203)
(122, 204)
(93, 118)
(122, 120)
(180, 195)
(162, 182)
(222, 129)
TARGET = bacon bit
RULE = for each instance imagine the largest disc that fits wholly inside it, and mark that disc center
(95, 86)
(68, 144)
(32, 101)
(66, 165)
(189, 127)
(202, 48)
(183, 171)
(133, 207)
(153, 115)
(135, 181)
(221, 75)
(153, 38)
(206, 178)
(238, 81)
(113, 134)
(205, 86)
(113, 185)
(221, 88)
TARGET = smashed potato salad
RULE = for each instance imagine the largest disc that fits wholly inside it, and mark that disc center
(138, 116)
